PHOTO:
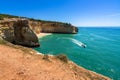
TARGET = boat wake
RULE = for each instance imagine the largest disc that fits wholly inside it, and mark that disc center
(78, 43)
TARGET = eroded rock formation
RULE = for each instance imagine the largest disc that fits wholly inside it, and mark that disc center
(43, 26)
(23, 31)
(24, 35)
(53, 27)
(20, 33)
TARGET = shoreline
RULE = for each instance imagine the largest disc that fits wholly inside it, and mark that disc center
(40, 35)
(93, 73)
(27, 62)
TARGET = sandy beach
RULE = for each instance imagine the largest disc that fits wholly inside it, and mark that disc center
(43, 35)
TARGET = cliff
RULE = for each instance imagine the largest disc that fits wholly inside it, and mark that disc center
(22, 31)
(20, 63)
(53, 27)
(39, 25)
(42, 26)
(18, 32)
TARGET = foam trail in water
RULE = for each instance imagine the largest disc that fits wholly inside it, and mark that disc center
(78, 43)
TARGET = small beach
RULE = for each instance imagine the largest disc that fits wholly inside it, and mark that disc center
(40, 35)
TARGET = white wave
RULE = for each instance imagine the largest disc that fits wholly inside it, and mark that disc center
(78, 43)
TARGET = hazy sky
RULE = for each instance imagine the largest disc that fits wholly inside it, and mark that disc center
(77, 12)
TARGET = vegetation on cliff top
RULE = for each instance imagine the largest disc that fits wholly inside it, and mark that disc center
(2, 41)
(2, 16)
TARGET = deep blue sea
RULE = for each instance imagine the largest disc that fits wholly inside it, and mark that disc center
(101, 55)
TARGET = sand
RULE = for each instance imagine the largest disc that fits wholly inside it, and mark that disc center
(40, 35)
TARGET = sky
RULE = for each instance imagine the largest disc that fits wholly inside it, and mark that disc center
(77, 12)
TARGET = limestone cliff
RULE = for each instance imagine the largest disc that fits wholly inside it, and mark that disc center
(42, 26)
(19, 32)
(23, 30)
(52, 27)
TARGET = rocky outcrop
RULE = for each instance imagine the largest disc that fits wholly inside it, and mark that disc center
(53, 27)
(43, 26)
(24, 35)
(20, 33)
(23, 31)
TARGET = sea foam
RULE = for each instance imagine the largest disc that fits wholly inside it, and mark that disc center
(79, 43)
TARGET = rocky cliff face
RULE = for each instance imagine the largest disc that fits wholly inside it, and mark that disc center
(19, 33)
(43, 26)
(53, 27)
(24, 35)
(23, 31)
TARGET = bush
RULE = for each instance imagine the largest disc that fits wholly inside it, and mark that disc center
(1, 18)
(2, 41)
(62, 57)
(8, 16)
(46, 57)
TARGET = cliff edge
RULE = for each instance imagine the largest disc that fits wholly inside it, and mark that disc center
(19, 63)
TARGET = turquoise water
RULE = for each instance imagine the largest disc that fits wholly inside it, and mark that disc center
(101, 55)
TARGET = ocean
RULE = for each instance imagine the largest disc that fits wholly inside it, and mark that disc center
(102, 52)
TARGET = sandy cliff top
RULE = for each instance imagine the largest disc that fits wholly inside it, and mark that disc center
(18, 63)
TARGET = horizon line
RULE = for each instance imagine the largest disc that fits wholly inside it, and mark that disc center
(98, 26)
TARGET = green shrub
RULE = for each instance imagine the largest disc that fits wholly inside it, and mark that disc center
(2, 41)
(1, 18)
(7, 16)
(46, 57)
(62, 57)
